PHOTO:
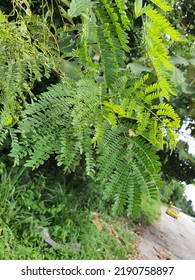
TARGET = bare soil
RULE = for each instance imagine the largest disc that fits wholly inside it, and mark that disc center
(169, 238)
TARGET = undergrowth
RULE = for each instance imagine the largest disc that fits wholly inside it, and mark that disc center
(149, 212)
(75, 217)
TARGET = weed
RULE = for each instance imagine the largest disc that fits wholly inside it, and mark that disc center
(149, 213)
(29, 203)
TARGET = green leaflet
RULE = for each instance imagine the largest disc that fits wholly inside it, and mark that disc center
(23, 62)
(121, 4)
(137, 105)
(137, 7)
(163, 5)
(157, 28)
(77, 7)
(128, 169)
(164, 25)
(120, 30)
(51, 127)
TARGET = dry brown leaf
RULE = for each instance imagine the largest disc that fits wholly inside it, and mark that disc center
(96, 221)
(113, 232)
(162, 254)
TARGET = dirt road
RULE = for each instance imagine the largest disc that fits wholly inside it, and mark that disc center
(169, 238)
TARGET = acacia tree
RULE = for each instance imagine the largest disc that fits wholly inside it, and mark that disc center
(104, 109)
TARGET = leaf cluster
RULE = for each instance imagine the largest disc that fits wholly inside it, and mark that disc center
(100, 112)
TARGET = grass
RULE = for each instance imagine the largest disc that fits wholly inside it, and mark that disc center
(75, 218)
(74, 214)
(149, 212)
(85, 242)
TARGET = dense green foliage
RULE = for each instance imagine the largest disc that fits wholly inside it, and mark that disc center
(66, 212)
(89, 86)
(99, 101)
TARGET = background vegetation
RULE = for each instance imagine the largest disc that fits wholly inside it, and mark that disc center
(92, 97)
